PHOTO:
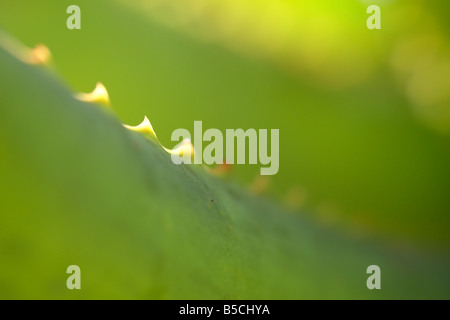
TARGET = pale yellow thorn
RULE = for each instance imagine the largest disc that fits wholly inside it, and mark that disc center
(144, 127)
(186, 148)
(99, 95)
(40, 54)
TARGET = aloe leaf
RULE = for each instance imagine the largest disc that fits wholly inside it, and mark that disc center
(77, 187)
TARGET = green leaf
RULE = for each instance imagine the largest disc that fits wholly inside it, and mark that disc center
(78, 188)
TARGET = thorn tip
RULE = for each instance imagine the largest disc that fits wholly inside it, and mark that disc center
(98, 95)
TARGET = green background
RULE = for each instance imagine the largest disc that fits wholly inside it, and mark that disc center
(364, 118)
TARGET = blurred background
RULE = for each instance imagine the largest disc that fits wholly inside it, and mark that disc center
(364, 115)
